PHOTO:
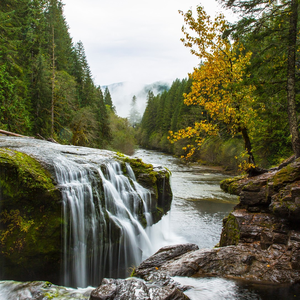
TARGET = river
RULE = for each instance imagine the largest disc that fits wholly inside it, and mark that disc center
(199, 204)
(196, 215)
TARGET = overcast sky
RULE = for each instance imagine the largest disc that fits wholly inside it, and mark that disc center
(133, 40)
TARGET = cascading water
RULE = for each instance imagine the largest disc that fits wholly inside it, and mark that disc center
(103, 232)
(106, 216)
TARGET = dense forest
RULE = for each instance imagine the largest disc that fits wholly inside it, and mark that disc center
(242, 101)
(239, 105)
(47, 89)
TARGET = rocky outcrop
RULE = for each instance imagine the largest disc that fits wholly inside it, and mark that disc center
(243, 261)
(260, 240)
(157, 180)
(150, 280)
(30, 217)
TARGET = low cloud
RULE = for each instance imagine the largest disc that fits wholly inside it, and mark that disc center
(123, 92)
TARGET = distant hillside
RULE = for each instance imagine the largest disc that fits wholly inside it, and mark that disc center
(122, 93)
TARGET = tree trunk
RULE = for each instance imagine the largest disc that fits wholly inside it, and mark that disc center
(248, 146)
(291, 103)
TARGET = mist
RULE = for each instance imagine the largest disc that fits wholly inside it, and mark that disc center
(123, 92)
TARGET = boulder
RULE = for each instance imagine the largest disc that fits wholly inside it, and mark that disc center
(162, 256)
(135, 289)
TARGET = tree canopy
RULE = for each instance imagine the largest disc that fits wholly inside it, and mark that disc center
(218, 84)
(244, 92)
(46, 83)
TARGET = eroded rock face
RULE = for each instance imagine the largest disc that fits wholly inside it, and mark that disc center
(276, 192)
(267, 219)
(161, 257)
(243, 261)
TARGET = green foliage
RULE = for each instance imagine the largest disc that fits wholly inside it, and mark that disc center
(163, 113)
(122, 135)
(14, 115)
(263, 29)
(269, 30)
(108, 100)
(41, 72)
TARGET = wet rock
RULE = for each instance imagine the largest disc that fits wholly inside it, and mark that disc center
(244, 261)
(260, 240)
(162, 256)
(31, 200)
(135, 289)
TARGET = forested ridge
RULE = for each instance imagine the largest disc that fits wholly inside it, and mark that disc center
(242, 101)
(47, 89)
(239, 106)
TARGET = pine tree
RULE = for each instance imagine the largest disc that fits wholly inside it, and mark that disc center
(108, 100)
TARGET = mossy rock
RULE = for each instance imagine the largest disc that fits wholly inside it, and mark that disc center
(231, 232)
(30, 219)
(144, 173)
(286, 175)
(154, 179)
(232, 185)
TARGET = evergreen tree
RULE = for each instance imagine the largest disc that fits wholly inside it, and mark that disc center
(108, 100)
(104, 135)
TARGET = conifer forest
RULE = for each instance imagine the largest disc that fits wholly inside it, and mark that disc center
(238, 108)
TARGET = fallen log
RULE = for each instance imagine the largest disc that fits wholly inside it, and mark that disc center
(14, 134)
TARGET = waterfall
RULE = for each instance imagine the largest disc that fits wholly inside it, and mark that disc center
(105, 214)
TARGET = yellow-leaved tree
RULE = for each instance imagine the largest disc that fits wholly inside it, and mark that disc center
(218, 84)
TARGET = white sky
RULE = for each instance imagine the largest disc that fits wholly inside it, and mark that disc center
(133, 40)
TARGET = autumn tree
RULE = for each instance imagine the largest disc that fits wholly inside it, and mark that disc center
(273, 25)
(218, 83)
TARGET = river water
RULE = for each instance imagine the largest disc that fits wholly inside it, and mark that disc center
(196, 215)
(199, 204)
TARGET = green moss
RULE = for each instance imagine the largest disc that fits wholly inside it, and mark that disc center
(287, 174)
(231, 232)
(133, 272)
(231, 185)
(139, 167)
(157, 181)
(27, 172)
(30, 218)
